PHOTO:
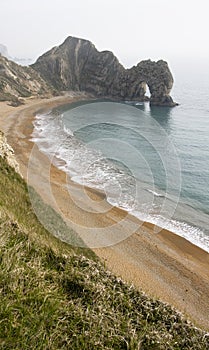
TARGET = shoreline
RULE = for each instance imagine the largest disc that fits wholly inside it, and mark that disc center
(165, 265)
(60, 162)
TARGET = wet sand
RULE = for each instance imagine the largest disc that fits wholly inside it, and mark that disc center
(162, 264)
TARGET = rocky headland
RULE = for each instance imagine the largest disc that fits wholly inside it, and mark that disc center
(76, 65)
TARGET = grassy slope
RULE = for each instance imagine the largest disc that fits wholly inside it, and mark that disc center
(54, 296)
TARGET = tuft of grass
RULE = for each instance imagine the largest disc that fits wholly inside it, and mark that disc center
(54, 296)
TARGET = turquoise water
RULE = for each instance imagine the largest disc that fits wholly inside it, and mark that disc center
(151, 161)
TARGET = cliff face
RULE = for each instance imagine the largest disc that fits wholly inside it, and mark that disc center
(17, 81)
(7, 152)
(78, 65)
(159, 79)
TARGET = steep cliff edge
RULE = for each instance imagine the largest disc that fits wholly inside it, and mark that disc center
(78, 65)
(7, 152)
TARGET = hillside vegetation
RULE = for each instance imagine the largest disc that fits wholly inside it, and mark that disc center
(54, 296)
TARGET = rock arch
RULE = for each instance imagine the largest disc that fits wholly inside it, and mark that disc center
(78, 65)
(159, 79)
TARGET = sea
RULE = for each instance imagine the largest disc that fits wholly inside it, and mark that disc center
(151, 161)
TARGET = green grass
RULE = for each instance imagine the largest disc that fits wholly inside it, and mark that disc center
(54, 296)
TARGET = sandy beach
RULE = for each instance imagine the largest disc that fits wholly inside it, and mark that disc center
(163, 265)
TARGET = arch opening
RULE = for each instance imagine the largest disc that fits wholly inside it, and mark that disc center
(147, 92)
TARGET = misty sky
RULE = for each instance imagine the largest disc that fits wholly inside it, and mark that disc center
(133, 30)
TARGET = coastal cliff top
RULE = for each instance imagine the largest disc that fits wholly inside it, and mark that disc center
(55, 296)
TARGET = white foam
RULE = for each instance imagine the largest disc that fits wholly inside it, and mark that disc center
(155, 193)
(90, 168)
(68, 131)
(190, 233)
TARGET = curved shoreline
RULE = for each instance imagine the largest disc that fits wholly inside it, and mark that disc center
(183, 229)
(164, 265)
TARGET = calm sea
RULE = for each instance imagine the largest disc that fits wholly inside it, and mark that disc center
(151, 161)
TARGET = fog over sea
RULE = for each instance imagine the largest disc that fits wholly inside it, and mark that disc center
(150, 161)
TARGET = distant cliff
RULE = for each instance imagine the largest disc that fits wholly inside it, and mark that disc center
(18, 82)
(78, 65)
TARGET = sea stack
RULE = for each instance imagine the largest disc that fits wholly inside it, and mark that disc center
(77, 65)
